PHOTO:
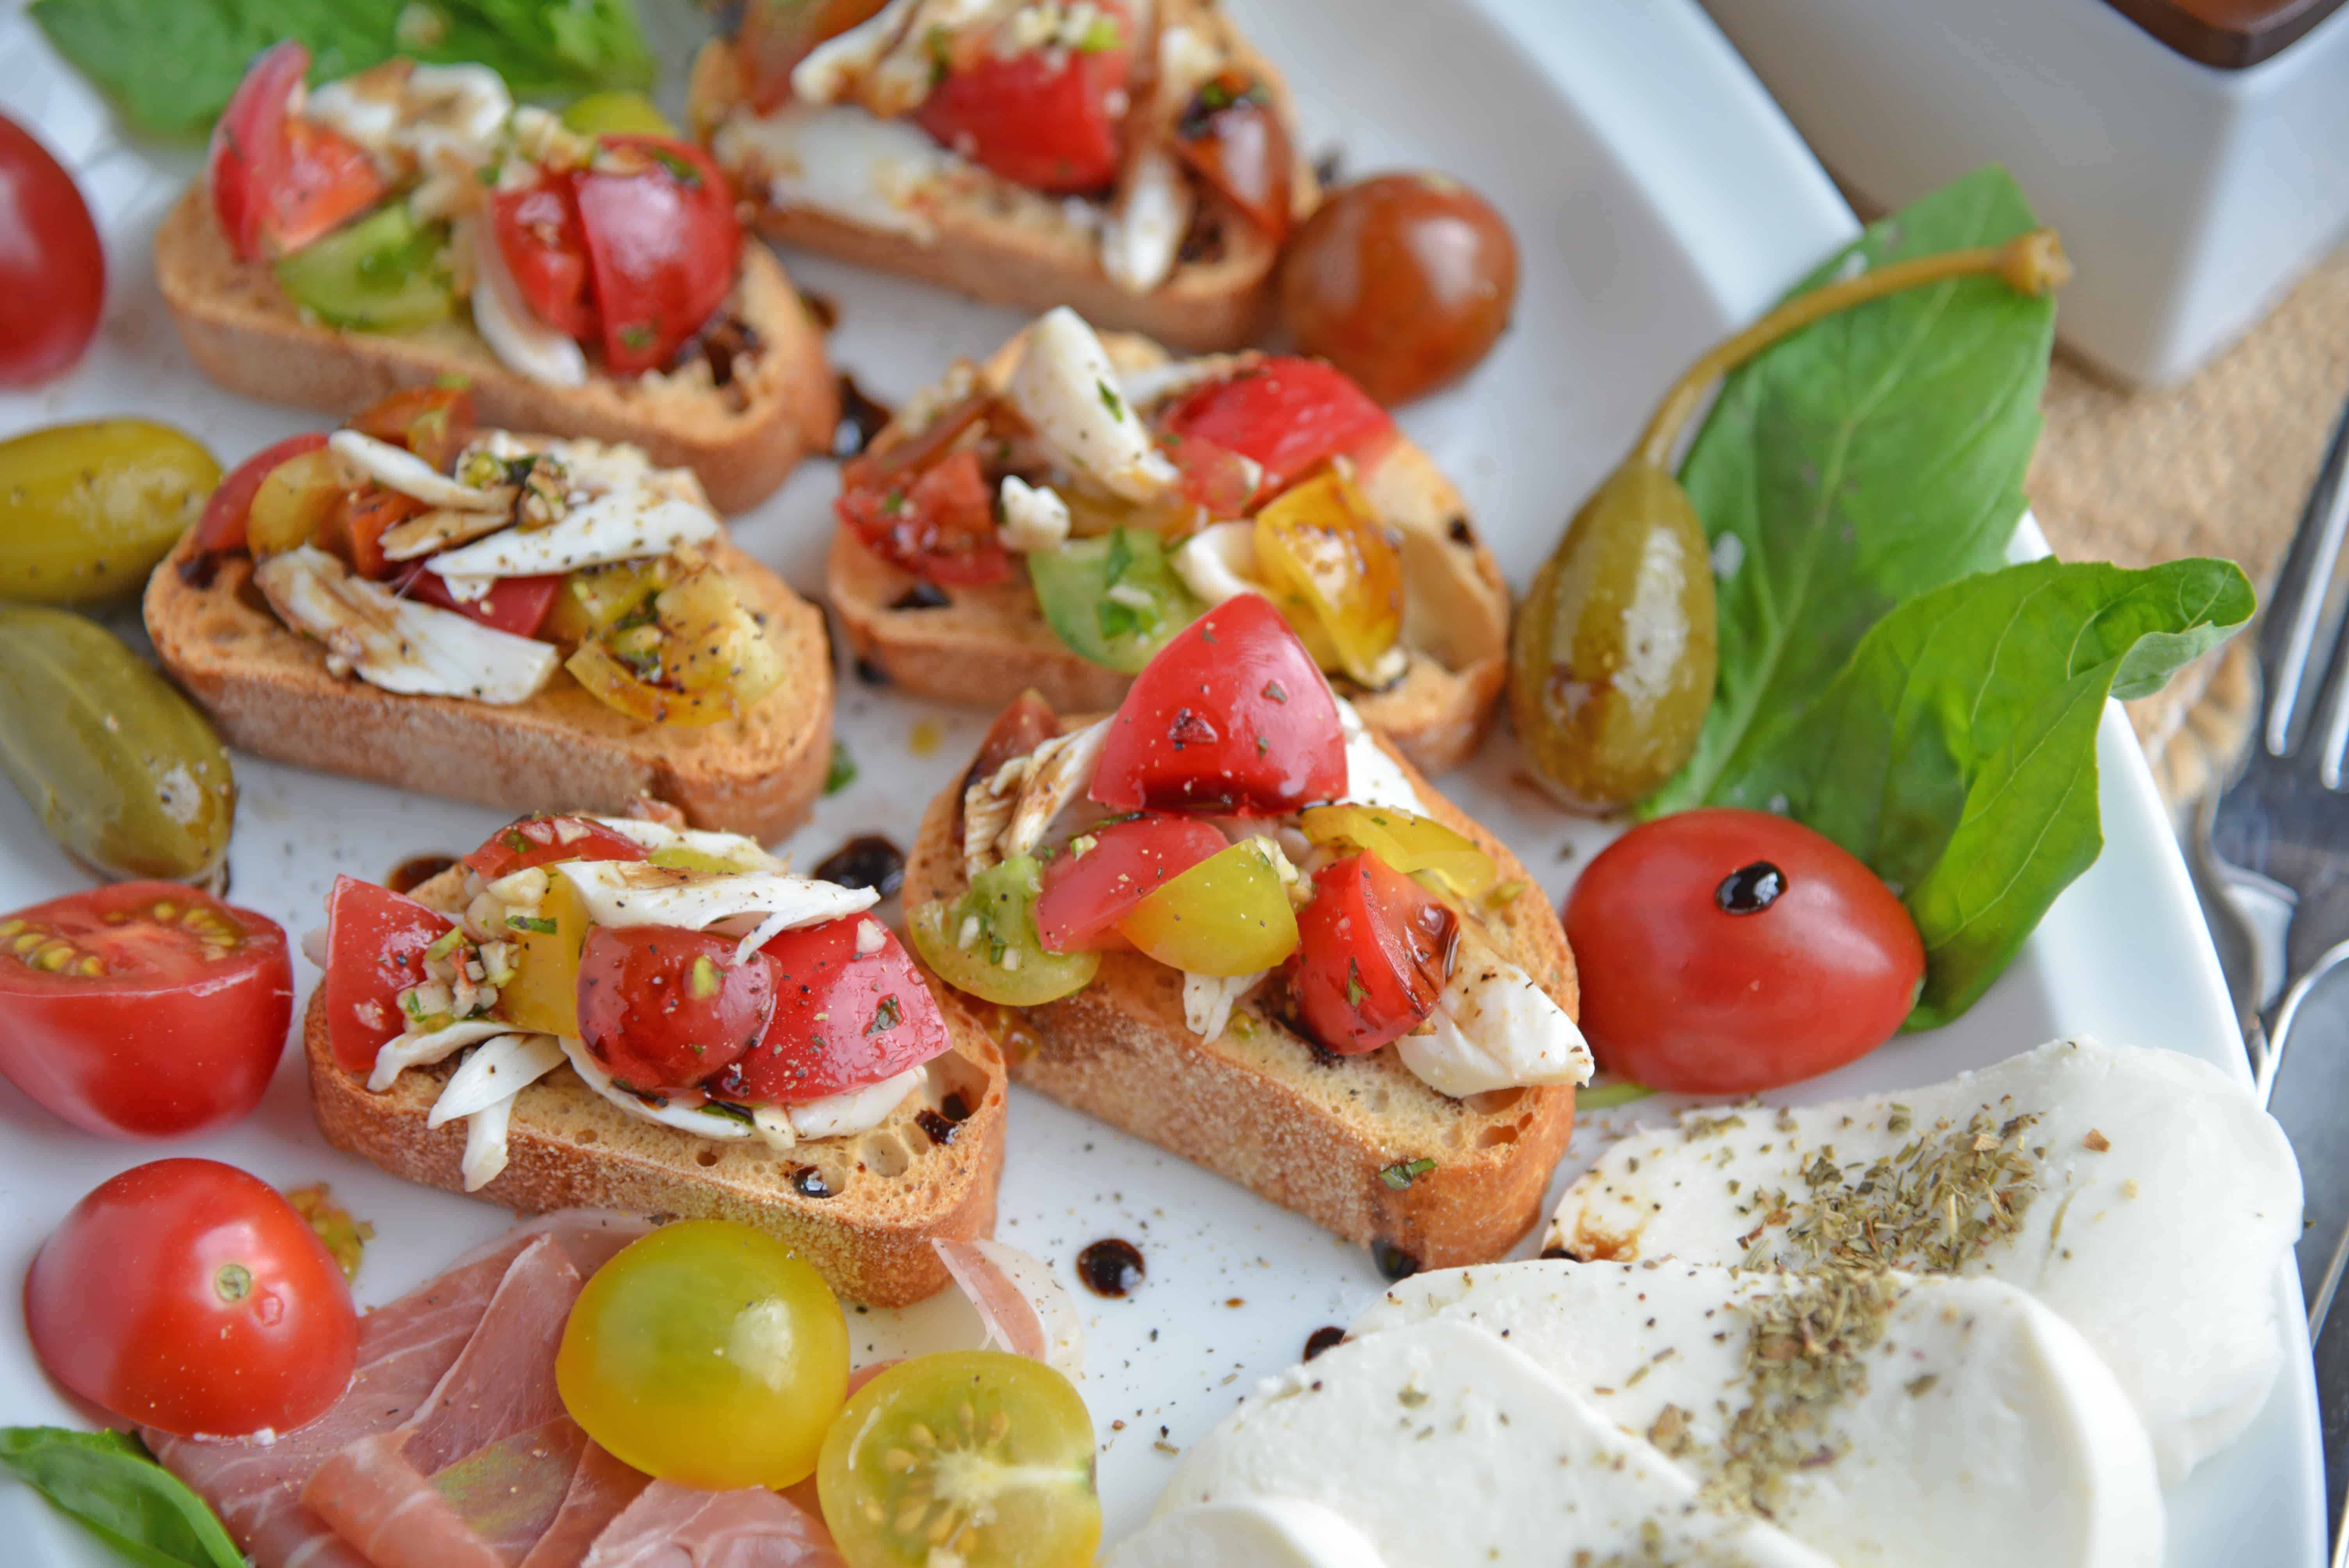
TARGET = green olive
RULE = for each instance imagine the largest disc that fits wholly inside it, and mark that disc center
(87, 511)
(122, 769)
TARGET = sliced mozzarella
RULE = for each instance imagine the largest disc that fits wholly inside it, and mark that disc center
(625, 893)
(398, 643)
(415, 1050)
(499, 1068)
(1066, 388)
(454, 109)
(1143, 232)
(1034, 516)
(732, 848)
(1218, 562)
(839, 68)
(625, 525)
(693, 1119)
(1208, 1000)
(485, 1144)
(1186, 55)
(1493, 1028)
(523, 340)
(854, 1110)
(1251, 1532)
(1974, 1427)
(364, 109)
(1380, 1429)
(841, 162)
(397, 468)
(1373, 778)
(2112, 1155)
(1153, 385)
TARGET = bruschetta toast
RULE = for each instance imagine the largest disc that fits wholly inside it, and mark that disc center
(614, 646)
(1136, 162)
(1047, 520)
(854, 1109)
(1230, 920)
(409, 225)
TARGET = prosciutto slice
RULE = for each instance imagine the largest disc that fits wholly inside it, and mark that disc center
(601, 1489)
(676, 1527)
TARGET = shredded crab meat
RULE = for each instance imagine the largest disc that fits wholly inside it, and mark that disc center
(1208, 1000)
(1011, 812)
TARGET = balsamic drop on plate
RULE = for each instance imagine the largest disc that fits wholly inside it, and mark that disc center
(1111, 1267)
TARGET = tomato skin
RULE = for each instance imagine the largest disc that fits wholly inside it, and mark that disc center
(664, 1009)
(1085, 896)
(1039, 118)
(538, 233)
(661, 244)
(1374, 949)
(168, 1041)
(1681, 996)
(939, 526)
(546, 840)
(515, 605)
(1231, 716)
(52, 266)
(135, 1305)
(1290, 414)
(222, 527)
(434, 422)
(278, 182)
(376, 940)
(835, 1028)
(361, 520)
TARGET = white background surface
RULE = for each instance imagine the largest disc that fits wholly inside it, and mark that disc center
(1657, 197)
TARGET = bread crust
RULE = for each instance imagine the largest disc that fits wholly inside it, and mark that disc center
(568, 1147)
(1307, 1130)
(243, 333)
(268, 690)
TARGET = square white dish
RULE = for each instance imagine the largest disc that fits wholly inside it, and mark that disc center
(1658, 198)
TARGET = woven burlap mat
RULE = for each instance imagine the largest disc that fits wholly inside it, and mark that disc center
(2220, 466)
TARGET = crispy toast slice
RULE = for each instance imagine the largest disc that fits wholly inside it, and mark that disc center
(740, 439)
(987, 643)
(885, 1194)
(268, 690)
(1263, 1107)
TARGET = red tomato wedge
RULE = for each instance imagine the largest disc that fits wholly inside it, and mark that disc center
(1290, 414)
(1042, 118)
(364, 516)
(544, 841)
(188, 1295)
(1212, 476)
(515, 605)
(1087, 892)
(434, 422)
(777, 34)
(665, 1009)
(223, 525)
(143, 1009)
(850, 1009)
(277, 180)
(940, 525)
(661, 243)
(1232, 717)
(539, 234)
(376, 940)
(1374, 949)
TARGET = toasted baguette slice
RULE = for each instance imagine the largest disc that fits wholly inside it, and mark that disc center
(989, 643)
(916, 1176)
(1308, 1129)
(741, 439)
(268, 690)
(1003, 243)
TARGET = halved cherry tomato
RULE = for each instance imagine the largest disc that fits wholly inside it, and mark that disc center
(542, 997)
(277, 180)
(985, 941)
(1726, 951)
(777, 34)
(1323, 551)
(188, 1295)
(939, 526)
(143, 1009)
(376, 940)
(1042, 118)
(52, 268)
(1229, 914)
(365, 516)
(1230, 717)
(1107, 872)
(223, 525)
(1290, 414)
(662, 245)
(1211, 476)
(543, 840)
(538, 233)
(1232, 135)
(1374, 949)
(850, 1009)
(434, 422)
(665, 1009)
(1407, 842)
(516, 605)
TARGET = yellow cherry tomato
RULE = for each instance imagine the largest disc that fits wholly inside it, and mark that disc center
(1333, 572)
(294, 501)
(1405, 841)
(706, 1354)
(542, 997)
(975, 1453)
(1229, 914)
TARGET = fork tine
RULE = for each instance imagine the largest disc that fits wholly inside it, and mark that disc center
(2307, 572)
(2336, 716)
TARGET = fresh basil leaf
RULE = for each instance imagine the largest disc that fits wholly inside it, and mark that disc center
(1871, 456)
(108, 1483)
(1956, 751)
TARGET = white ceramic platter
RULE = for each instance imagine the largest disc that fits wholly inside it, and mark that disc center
(1658, 198)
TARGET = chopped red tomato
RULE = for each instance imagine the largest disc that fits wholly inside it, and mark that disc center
(515, 605)
(1088, 889)
(777, 34)
(277, 180)
(1374, 949)
(665, 1009)
(143, 1009)
(539, 235)
(1290, 414)
(544, 841)
(376, 940)
(1210, 475)
(1043, 117)
(1230, 717)
(223, 525)
(434, 422)
(1232, 138)
(364, 517)
(661, 243)
(850, 1009)
(939, 524)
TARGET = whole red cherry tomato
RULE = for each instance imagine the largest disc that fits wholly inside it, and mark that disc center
(52, 267)
(1726, 951)
(850, 1009)
(143, 1009)
(1373, 952)
(664, 1009)
(188, 1295)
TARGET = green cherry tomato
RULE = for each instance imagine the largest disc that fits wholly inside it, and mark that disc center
(706, 1354)
(974, 1452)
(1122, 632)
(381, 274)
(986, 943)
